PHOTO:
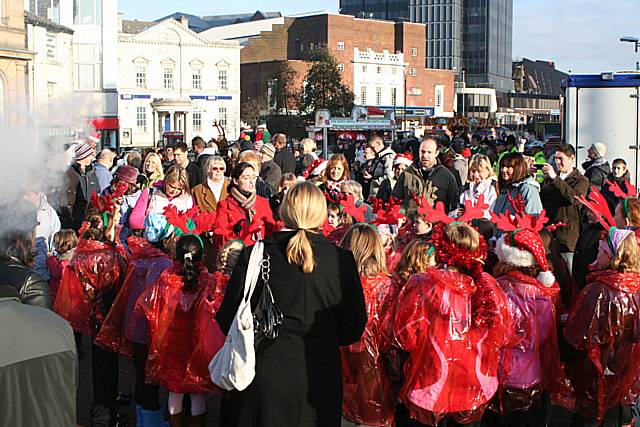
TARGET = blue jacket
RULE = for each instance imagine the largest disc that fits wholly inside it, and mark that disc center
(530, 194)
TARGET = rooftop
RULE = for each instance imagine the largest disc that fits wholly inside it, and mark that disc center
(202, 23)
(32, 18)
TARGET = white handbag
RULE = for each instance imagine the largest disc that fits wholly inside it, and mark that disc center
(234, 366)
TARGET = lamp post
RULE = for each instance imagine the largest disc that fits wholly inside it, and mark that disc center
(633, 40)
(464, 87)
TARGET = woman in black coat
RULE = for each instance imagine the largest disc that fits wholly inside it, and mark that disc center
(16, 254)
(298, 375)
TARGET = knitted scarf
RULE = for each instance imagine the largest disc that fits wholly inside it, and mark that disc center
(247, 203)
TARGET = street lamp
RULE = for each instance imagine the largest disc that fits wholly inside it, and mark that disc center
(633, 40)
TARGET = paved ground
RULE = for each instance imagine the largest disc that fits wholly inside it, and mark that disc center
(127, 383)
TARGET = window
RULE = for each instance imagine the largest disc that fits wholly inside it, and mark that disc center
(414, 51)
(340, 45)
(222, 80)
(413, 72)
(394, 96)
(197, 120)
(222, 116)
(363, 95)
(141, 119)
(379, 70)
(49, 9)
(87, 12)
(378, 96)
(141, 76)
(52, 49)
(196, 78)
(87, 66)
(167, 77)
(341, 67)
(364, 68)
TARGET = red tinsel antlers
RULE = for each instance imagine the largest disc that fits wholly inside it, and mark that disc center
(617, 191)
(600, 208)
(190, 221)
(107, 203)
(387, 212)
(520, 220)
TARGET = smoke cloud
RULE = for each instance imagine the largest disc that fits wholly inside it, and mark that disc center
(33, 158)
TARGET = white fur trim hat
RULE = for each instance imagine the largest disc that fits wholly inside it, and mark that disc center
(524, 248)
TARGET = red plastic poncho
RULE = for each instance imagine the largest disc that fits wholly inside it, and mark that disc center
(452, 369)
(171, 313)
(96, 269)
(123, 325)
(367, 394)
(210, 338)
(605, 324)
(530, 362)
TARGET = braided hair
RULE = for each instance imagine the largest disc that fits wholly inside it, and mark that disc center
(189, 253)
(228, 256)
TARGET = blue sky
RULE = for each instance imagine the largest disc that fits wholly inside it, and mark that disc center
(579, 35)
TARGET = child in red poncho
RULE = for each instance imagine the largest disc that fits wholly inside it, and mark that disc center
(452, 322)
(605, 325)
(530, 366)
(170, 306)
(89, 285)
(338, 222)
(367, 396)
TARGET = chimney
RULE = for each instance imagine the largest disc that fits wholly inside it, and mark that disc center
(184, 21)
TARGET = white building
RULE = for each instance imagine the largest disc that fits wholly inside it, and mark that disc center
(173, 80)
(378, 78)
(95, 56)
(52, 66)
(243, 31)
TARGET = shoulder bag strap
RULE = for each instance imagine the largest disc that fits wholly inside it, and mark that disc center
(253, 270)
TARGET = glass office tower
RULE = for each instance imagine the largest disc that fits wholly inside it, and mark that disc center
(391, 10)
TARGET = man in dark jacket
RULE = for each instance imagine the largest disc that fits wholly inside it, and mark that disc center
(81, 183)
(558, 195)
(425, 177)
(270, 172)
(181, 155)
(283, 158)
(596, 169)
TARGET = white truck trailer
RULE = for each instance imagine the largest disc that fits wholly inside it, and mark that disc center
(604, 108)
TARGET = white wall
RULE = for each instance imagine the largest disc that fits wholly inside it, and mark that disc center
(56, 72)
(169, 41)
(242, 30)
(390, 76)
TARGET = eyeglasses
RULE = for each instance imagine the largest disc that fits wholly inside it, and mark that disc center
(216, 169)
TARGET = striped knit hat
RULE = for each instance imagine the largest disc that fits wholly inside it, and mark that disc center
(83, 151)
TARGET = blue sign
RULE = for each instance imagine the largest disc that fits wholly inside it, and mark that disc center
(128, 96)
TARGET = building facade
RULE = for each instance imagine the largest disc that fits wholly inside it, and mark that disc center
(173, 80)
(15, 61)
(52, 67)
(382, 62)
(470, 35)
(95, 57)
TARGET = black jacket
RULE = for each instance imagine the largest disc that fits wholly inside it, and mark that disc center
(33, 289)
(271, 174)
(195, 174)
(439, 185)
(285, 160)
(79, 187)
(596, 174)
(298, 375)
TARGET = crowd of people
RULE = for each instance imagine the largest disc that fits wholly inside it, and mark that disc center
(456, 280)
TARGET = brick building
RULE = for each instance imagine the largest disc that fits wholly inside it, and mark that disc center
(382, 62)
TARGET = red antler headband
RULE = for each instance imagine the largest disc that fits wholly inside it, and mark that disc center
(191, 221)
(630, 192)
(107, 203)
(521, 245)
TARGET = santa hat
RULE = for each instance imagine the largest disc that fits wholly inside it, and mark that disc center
(316, 168)
(94, 136)
(524, 248)
(403, 159)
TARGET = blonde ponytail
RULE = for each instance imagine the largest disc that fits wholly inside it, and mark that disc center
(303, 209)
(300, 252)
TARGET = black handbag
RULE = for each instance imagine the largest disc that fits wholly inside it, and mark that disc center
(267, 317)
